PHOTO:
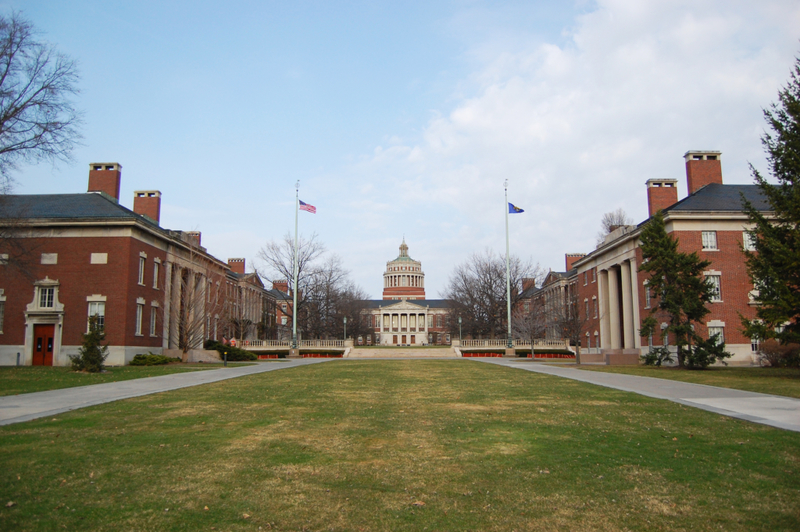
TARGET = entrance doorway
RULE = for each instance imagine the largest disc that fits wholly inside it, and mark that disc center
(43, 339)
(404, 339)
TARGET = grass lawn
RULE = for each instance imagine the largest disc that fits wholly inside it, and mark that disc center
(397, 445)
(26, 379)
(776, 381)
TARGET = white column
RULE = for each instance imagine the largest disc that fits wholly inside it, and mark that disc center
(602, 296)
(613, 309)
(627, 306)
(637, 340)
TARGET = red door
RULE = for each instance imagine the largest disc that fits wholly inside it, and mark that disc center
(43, 345)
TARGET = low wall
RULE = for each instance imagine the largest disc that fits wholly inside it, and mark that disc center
(620, 357)
(194, 355)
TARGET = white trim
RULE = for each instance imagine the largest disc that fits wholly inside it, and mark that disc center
(94, 298)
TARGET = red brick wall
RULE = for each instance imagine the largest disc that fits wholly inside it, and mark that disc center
(117, 280)
(588, 291)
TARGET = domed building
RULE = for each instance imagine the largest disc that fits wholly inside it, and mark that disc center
(404, 316)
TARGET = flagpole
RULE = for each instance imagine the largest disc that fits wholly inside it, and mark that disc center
(510, 344)
(294, 266)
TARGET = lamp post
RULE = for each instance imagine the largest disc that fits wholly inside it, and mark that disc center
(345, 328)
(459, 330)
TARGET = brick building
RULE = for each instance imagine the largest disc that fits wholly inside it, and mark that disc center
(614, 296)
(65, 257)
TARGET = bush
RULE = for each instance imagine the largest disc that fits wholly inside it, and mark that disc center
(234, 353)
(705, 353)
(92, 353)
(152, 360)
(657, 356)
(777, 355)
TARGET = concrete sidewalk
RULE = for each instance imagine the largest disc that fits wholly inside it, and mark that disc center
(24, 407)
(773, 410)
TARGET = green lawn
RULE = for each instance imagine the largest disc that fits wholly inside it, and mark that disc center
(397, 445)
(26, 379)
(776, 381)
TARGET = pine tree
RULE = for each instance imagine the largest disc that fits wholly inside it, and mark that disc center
(774, 265)
(92, 353)
(677, 280)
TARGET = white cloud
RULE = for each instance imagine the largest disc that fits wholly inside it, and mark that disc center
(578, 128)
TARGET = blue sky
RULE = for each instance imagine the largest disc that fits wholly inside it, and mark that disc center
(406, 118)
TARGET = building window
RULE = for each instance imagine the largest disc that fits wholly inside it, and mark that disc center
(98, 310)
(46, 297)
(709, 240)
(154, 320)
(755, 344)
(139, 315)
(439, 321)
(647, 295)
(284, 308)
(720, 331)
(594, 302)
(715, 283)
(586, 302)
(594, 275)
(141, 270)
(156, 269)
(585, 278)
(284, 320)
(748, 241)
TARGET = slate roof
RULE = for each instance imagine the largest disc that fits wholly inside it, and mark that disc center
(66, 206)
(721, 198)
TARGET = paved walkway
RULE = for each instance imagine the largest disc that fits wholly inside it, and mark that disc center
(17, 408)
(773, 410)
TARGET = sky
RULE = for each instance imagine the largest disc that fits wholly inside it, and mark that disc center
(404, 119)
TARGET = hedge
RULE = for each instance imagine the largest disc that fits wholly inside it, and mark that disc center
(233, 353)
(152, 360)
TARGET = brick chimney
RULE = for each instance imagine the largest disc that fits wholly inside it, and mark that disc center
(702, 168)
(193, 237)
(661, 193)
(105, 177)
(148, 203)
(528, 283)
(236, 265)
(572, 258)
(282, 286)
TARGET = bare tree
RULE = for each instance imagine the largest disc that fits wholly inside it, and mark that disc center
(37, 118)
(277, 258)
(325, 294)
(529, 320)
(477, 292)
(612, 221)
(195, 300)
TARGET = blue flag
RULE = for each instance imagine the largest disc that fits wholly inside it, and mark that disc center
(513, 209)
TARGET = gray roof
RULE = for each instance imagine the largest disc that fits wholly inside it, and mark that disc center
(66, 206)
(726, 198)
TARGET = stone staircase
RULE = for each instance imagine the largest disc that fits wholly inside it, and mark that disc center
(402, 352)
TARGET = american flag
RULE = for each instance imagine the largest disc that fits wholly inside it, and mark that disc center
(306, 207)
